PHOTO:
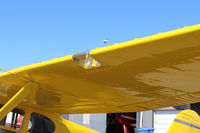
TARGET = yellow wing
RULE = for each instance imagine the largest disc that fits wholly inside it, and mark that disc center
(143, 74)
(187, 121)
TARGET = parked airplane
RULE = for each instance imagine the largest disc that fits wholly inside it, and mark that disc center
(143, 74)
(187, 121)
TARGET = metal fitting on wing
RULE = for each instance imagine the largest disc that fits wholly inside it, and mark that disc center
(85, 60)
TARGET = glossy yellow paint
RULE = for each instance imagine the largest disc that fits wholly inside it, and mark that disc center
(16, 99)
(148, 73)
(28, 91)
(187, 121)
(142, 74)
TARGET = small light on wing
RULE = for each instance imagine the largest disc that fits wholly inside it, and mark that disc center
(85, 60)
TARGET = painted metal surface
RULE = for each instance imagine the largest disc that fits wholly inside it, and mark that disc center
(187, 121)
(143, 74)
(27, 91)
(15, 100)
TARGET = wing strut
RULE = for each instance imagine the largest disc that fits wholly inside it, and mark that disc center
(16, 99)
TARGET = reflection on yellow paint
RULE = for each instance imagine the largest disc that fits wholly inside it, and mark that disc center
(85, 60)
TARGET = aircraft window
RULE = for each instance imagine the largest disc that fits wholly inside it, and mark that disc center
(40, 124)
(14, 119)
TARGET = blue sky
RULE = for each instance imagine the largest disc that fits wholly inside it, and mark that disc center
(37, 30)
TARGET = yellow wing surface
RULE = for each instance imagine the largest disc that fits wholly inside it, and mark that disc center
(142, 74)
(187, 121)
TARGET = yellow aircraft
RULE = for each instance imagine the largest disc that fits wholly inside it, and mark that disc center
(187, 121)
(142, 74)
